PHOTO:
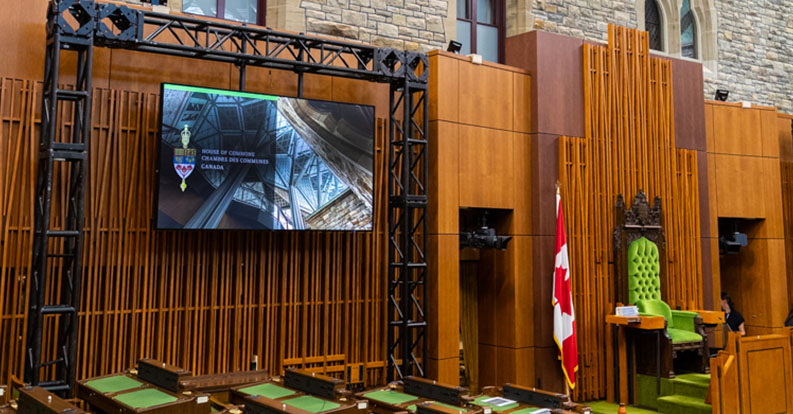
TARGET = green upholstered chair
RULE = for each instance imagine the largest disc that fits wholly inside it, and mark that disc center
(684, 331)
(644, 291)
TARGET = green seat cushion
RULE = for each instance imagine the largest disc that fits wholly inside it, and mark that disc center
(311, 404)
(680, 336)
(389, 397)
(145, 398)
(268, 390)
(480, 401)
(116, 383)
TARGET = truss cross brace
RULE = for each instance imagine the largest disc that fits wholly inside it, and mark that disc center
(77, 26)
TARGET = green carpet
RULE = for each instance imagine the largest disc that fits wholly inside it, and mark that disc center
(604, 407)
(683, 404)
(684, 394)
(692, 385)
(689, 395)
(647, 390)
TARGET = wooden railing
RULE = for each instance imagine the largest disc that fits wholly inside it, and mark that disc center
(752, 375)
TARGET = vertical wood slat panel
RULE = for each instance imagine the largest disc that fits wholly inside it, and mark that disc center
(205, 301)
(629, 145)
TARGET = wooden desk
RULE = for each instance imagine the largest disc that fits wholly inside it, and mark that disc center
(647, 323)
(637, 322)
(40, 401)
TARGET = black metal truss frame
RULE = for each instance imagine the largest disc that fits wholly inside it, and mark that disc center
(79, 25)
(407, 232)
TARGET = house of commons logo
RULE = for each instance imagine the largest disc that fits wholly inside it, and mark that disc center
(184, 158)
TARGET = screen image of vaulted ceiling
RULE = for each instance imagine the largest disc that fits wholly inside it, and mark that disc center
(279, 163)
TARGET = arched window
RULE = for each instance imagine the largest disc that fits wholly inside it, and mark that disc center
(688, 31)
(653, 25)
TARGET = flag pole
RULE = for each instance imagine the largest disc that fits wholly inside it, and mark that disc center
(558, 194)
(566, 385)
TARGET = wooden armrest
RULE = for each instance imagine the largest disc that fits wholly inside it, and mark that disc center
(710, 317)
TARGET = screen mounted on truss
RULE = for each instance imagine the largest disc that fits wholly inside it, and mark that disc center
(237, 160)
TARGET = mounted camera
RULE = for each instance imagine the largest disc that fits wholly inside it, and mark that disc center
(483, 237)
(731, 236)
(732, 244)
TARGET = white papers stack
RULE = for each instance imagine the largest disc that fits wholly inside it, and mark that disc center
(629, 311)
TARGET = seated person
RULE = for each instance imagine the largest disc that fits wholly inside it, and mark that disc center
(734, 318)
(789, 319)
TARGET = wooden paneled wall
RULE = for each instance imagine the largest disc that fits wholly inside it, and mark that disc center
(629, 145)
(479, 155)
(741, 381)
(746, 170)
(204, 301)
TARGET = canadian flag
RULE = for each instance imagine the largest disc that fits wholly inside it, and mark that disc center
(563, 314)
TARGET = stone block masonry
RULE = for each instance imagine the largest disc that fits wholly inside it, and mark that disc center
(404, 24)
(754, 39)
(754, 42)
(588, 19)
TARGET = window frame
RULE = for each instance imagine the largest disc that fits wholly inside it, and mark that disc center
(261, 12)
(500, 25)
(661, 24)
(694, 32)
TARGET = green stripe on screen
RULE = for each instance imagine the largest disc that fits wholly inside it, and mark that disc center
(219, 92)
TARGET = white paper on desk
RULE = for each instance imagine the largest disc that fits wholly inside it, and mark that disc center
(498, 401)
(628, 311)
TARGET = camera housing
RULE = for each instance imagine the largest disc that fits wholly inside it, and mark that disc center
(483, 237)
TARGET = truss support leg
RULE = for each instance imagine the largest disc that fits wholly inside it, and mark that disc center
(407, 344)
(57, 253)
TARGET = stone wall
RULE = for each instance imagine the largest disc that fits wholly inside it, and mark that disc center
(754, 41)
(404, 24)
(587, 19)
(755, 49)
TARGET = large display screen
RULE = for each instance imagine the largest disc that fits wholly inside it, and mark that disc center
(236, 160)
